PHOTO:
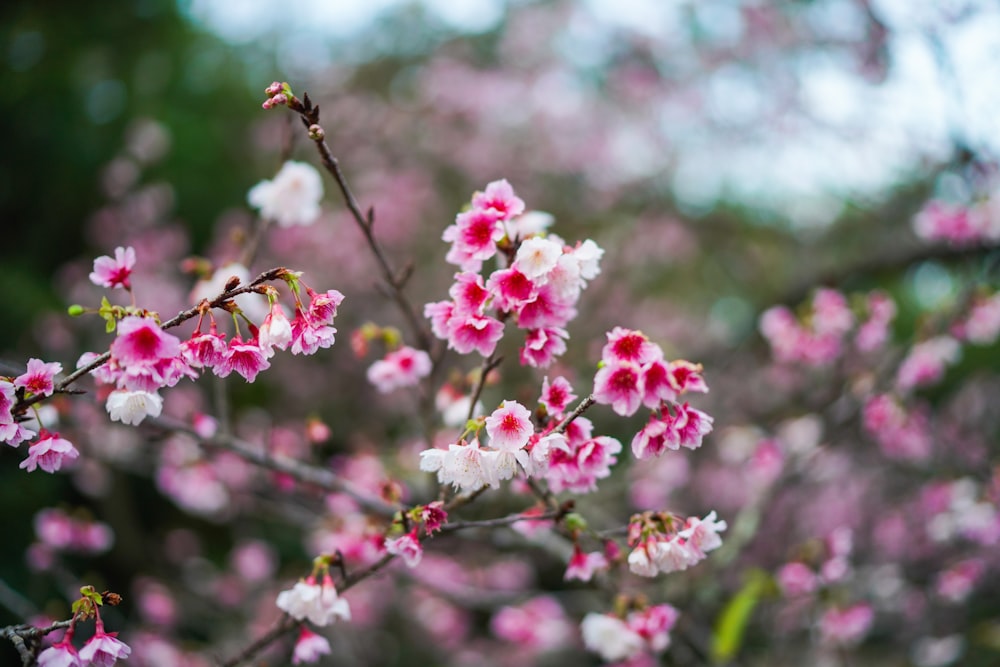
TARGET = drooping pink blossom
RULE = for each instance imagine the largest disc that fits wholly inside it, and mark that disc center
(310, 335)
(104, 649)
(407, 547)
(114, 272)
(309, 647)
(246, 358)
(131, 407)
(39, 378)
(582, 566)
(49, 453)
(204, 350)
(60, 654)
(433, 516)
(323, 305)
(469, 293)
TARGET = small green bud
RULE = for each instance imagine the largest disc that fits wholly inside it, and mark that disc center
(575, 522)
(76, 310)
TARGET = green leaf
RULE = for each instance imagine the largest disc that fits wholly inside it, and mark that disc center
(732, 622)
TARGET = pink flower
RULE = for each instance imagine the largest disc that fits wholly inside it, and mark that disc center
(547, 309)
(540, 623)
(942, 221)
(141, 342)
(401, 368)
(433, 516)
(115, 272)
(702, 535)
(617, 385)
(656, 384)
(309, 647)
(247, 359)
(61, 654)
(49, 453)
(582, 566)
(927, 361)
(874, 332)
(510, 289)
(318, 603)
(654, 624)
(499, 196)
(440, 314)
(628, 345)
(556, 396)
(469, 293)
(474, 332)
(474, 237)
(407, 547)
(509, 427)
(846, 627)
(796, 578)
(685, 376)
(204, 349)
(310, 335)
(8, 396)
(691, 426)
(39, 378)
(323, 306)
(104, 649)
(543, 346)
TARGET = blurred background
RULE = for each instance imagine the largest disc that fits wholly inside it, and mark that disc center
(728, 155)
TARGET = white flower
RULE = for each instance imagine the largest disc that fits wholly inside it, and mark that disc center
(292, 198)
(532, 222)
(320, 604)
(589, 255)
(639, 563)
(537, 256)
(610, 637)
(131, 407)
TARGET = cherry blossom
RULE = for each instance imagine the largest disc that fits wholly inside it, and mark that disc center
(400, 368)
(39, 379)
(319, 603)
(131, 407)
(114, 272)
(309, 647)
(509, 427)
(407, 547)
(49, 453)
(610, 637)
(104, 648)
(292, 198)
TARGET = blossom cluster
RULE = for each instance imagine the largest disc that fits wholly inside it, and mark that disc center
(958, 224)
(662, 543)
(537, 283)
(50, 451)
(316, 602)
(616, 639)
(633, 372)
(144, 358)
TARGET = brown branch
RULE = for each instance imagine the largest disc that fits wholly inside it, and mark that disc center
(267, 276)
(365, 221)
(320, 477)
(583, 406)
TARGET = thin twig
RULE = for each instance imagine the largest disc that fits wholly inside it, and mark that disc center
(320, 477)
(272, 274)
